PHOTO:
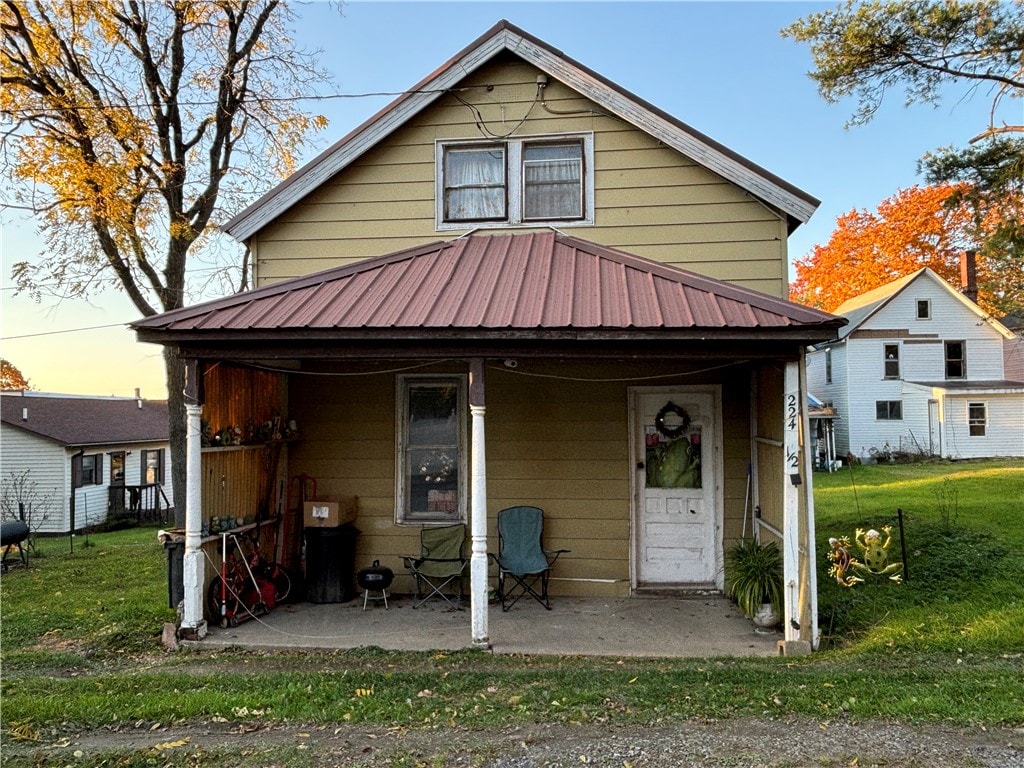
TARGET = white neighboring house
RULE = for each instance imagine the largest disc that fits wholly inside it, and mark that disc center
(921, 368)
(95, 456)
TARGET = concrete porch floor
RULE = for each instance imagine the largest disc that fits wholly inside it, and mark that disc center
(660, 626)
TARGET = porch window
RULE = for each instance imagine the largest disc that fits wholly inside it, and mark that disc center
(516, 181)
(977, 419)
(431, 456)
(956, 360)
(87, 470)
(892, 361)
(889, 410)
(153, 467)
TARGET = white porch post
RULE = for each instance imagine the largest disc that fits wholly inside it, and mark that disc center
(807, 532)
(797, 550)
(193, 625)
(478, 508)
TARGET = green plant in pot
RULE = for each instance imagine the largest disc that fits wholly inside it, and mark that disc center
(754, 574)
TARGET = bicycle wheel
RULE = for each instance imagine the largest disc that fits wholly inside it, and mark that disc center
(222, 610)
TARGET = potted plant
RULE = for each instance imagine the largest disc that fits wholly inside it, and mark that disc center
(754, 575)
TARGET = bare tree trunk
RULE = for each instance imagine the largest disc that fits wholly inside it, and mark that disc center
(176, 424)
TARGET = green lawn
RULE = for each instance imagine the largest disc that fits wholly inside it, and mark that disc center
(80, 638)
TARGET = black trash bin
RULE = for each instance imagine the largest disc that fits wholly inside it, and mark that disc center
(175, 571)
(331, 564)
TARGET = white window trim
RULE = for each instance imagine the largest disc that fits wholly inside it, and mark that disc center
(514, 177)
(896, 360)
(928, 311)
(401, 390)
(983, 422)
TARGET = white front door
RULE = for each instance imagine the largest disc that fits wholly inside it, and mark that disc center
(676, 511)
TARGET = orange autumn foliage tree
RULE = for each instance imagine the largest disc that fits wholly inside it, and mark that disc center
(914, 228)
(131, 129)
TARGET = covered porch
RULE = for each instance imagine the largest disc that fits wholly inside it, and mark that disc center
(567, 372)
(697, 626)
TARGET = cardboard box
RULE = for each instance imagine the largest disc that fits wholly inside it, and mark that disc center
(326, 513)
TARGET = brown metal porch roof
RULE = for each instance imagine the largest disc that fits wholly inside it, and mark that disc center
(490, 283)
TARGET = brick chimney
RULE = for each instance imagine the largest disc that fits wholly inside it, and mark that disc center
(969, 275)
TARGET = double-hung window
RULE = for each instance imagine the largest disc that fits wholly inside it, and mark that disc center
(977, 419)
(891, 353)
(956, 360)
(152, 467)
(87, 469)
(431, 453)
(516, 181)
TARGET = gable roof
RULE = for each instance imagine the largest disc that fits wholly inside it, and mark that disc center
(861, 308)
(74, 421)
(530, 285)
(503, 36)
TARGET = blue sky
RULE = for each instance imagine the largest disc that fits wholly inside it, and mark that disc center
(722, 67)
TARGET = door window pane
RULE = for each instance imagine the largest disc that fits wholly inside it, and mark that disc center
(673, 462)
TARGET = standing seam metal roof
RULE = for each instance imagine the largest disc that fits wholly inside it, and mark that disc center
(523, 281)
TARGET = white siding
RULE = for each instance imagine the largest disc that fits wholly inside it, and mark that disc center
(44, 461)
(1004, 433)
(921, 345)
(49, 466)
(834, 392)
(950, 320)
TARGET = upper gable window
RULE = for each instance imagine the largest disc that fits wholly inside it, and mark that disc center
(517, 181)
(924, 309)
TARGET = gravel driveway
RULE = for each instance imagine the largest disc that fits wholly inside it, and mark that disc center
(768, 743)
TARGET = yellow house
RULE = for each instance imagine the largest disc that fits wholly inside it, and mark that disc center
(572, 284)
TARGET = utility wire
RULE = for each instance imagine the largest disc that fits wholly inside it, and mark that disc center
(66, 330)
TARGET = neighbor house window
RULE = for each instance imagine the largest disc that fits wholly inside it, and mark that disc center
(87, 470)
(924, 309)
(977, 419)
(828, 366)
(515, 181)
(956, 360)
(891, 353)
(431, 462)
(152, 467)
(888, 410)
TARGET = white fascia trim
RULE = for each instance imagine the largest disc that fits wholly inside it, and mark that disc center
(670, 134)
(336, 158)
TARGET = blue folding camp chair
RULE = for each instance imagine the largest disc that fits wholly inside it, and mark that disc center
(521, 559)
(440, 565)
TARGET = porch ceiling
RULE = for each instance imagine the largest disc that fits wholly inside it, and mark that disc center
(481, 289)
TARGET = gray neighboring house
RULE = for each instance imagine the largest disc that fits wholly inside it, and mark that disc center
(90, 457)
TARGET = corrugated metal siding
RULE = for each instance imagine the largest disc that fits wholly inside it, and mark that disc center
(526, 281)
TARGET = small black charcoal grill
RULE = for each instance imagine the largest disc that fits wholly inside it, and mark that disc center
(375, 581)
(12, 534)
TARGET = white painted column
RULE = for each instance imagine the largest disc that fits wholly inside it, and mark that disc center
(792, 484)
(478, 531)
(193, 625)
(807, 532)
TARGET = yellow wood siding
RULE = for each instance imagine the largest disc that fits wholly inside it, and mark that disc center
(557, 443)
(649, 199)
